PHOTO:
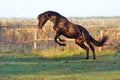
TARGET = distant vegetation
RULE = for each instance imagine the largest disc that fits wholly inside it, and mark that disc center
(19, 32)
(85, 21)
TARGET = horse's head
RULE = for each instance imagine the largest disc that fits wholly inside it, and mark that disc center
(48, 15)
(42, 19)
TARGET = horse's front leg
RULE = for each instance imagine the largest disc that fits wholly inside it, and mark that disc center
(57, 36)
(62, 40)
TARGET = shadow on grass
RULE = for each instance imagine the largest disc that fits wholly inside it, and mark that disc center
(20, 64)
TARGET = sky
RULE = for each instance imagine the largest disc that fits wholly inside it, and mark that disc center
(68, 8)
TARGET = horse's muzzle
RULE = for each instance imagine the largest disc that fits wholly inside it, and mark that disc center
(40, 27)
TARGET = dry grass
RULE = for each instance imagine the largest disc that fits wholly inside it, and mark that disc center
(19, 30)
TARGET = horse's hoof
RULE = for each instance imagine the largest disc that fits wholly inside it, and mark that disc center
(62, 44)
(64, 40)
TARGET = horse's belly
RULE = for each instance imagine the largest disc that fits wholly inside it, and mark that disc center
(72, 32)
(70, 35)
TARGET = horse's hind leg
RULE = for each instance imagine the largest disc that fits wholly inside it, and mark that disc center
(87, 40)
(80, 42)
(92, 48)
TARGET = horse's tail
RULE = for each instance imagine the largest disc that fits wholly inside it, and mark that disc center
(100, 42)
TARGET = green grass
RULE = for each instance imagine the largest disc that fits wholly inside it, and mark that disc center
(58, 65)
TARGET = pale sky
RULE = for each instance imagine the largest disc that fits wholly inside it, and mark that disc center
(68, 8)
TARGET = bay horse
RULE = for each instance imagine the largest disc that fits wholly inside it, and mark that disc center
(64, 27)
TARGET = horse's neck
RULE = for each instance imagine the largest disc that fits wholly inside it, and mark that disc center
(53, 19)
(56, 19)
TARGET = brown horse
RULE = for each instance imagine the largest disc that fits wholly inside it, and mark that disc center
(63, 26)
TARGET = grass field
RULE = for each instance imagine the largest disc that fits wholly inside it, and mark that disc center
(59, 65)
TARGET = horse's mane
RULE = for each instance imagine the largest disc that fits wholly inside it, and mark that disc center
(52, 13)
(56, 14)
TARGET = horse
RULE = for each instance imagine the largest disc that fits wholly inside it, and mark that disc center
(64, 27)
